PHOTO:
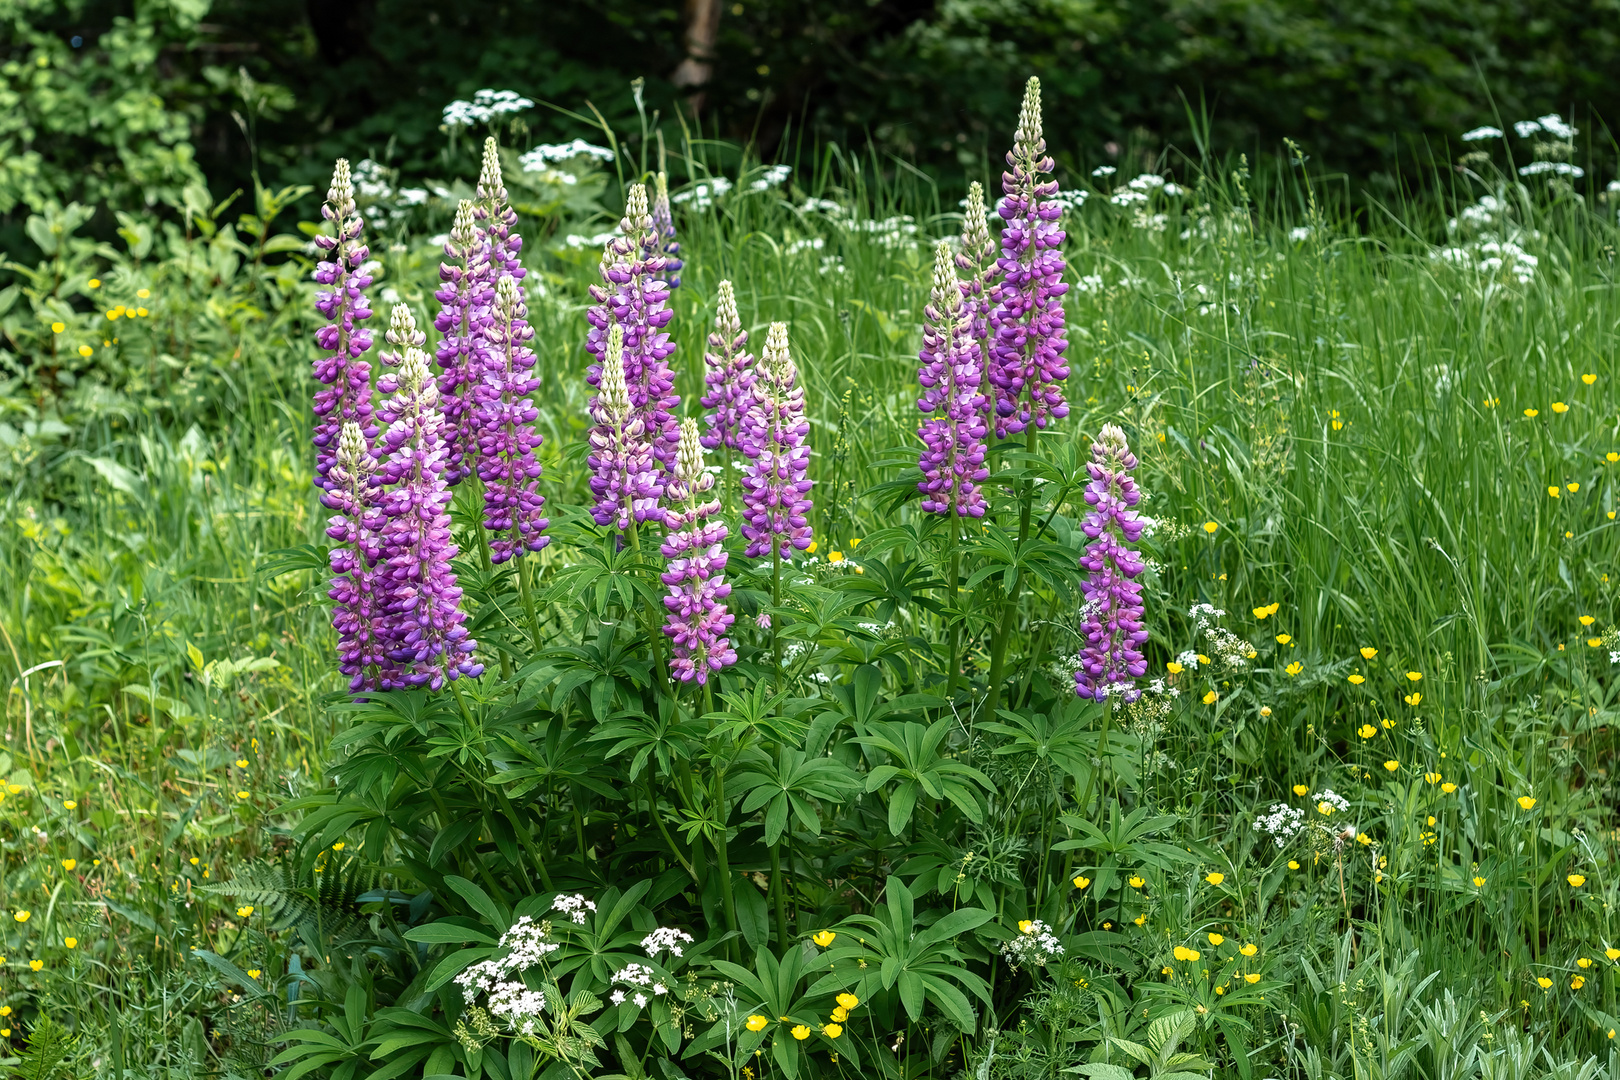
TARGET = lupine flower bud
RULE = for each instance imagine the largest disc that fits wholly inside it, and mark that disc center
(634, 295)
(952, 459)
(357, 607)
(497, 221)
(976, 259)
(402, 334)
(695, 548)
(1025, 364)
(1111, 660)
(464, 300)
(776, 491)
(506, 437)
(728, 374)
(347, 378)
(624, 476)
(664, 228)
(425, 637)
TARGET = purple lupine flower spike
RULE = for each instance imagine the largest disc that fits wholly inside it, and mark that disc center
(695, 548)
(357, 604)
(497, 221)
(635, 296)
(624, 476)
(976, 260)
(426, 637)
(1111, 660)
(728, 374)
(776, 491)
(402, 334)
(952, 458)
(1026, 364)
(464, 299)
(506, 437)
(347, 378)
(663, 220)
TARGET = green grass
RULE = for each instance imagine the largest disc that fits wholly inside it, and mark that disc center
(1347, 412)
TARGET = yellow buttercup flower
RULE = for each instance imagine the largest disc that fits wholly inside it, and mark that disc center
(241, 763)
(1215, 877)
(812, 548)
(1294, 669)
(1324, 808)
(1576, 880)
(1366, 731)
(254, 973)
(1612, 954)
(1479, 883)
(1216, 939)
(71, 942)
(1181, 952)
(1584, 962)
(22, 916)
(1368, 652)
(1283, 639)
(1250, 949)
(1141, 920)
(1355, 680)
(800, 1032)
(1448, 787)
(1293, 864)
(1265, 710)
(70, 805)
(1587, 620)
(1210, 526)
(1577, 981)
(1594, 642)
(1252, 977)
(756, 1023)
(1025, 926)
(69, 864)
(58, 327)
(1552, 491)
(1559, 407)
(1300, 789)
(847, 1001)
(840, 1014)
(1413, 698)
(1573, 487)
(1432, 777)
(1173, 668)
(95, 283)
(823, 938)
(1531, 413)
(832, 1031)
(1526, 802)
(1136, 882)
(1588, 379)
(143, 293)
(36, 965)
(835, 556)
(1211, 697)
(1081, 882)
(1202, 659)
(1266, 611)
(245, 911)
(1392, 765)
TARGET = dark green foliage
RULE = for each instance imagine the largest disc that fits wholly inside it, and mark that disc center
(322, 903)
(49, 1045)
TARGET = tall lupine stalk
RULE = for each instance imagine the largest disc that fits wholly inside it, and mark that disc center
(952, 457)
(695, 548)
(728, 375)
(357, 607)
(464, 299)
(663, 220)
(624, 476)
(506, 437)
(425, 634)
(775, 487)
(497, 221)
(1111, 660)
(1025, 363)
(347, 378)
(634, 296)
(979, 274)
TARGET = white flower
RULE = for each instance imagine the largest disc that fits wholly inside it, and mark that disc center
(1482, 133)
(1034, 944)
(1562, 168)
(774, 176)
(1072, 200)
(1280, 823)
(485, 106)
(814, 243)
(577, 242)
(703, 194)
(1330, 798)
(575, 907)
(1526, 128)
(538, 158)
(1090, 283)
(1174, 190)
(1299, 233)
(1126, 197)
(665, 937)
(617, 997)
(1614, 185)
(1146, 182)
(1104, 170)
(1554, 125)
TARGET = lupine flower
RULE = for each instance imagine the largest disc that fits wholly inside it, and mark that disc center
(347, 397)
(506, 436)
(357, 607)
(464, 299)
(664, 228)
(1026, 322)
(635, 296)
(980, 269)
(952, 459)
(776, 492)
(426, 637)
(695, 548)
(624, 477)
(1111, 661)
(728, 374)
(497, 221)
(402, 334)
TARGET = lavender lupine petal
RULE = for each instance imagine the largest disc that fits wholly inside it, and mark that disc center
(624, 476)
(952, 458)
(635, 296)
(695, 548)
(728, 374)
(357, 606)
(663, 220)
(776, 491)
(1111, 660)
(464, 299)
(506, 437)
(347, 378)
(1026, 364)
(425, 636)
(497, 221)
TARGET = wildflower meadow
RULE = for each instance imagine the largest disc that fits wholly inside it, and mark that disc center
(622, 608)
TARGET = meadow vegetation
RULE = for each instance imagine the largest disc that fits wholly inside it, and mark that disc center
(1361, 823)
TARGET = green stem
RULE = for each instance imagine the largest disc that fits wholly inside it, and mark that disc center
(649, 626)
(953, 672)
(722, 855)
(776, 605)
(1102, 759)
(524, 838)
(528, 604)
(1009, 611)
(658, 819)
